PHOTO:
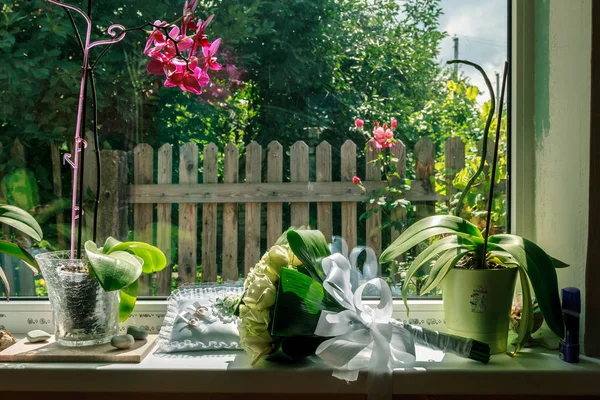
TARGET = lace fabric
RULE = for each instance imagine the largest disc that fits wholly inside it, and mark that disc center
(201, 318)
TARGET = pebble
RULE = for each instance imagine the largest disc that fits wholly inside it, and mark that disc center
(37, 336)
(137, 333)
(122, 342)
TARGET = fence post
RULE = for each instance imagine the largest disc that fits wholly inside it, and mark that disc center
(252, 225)
(299, 173)
(373, 173)
(143, 167)
(399, 152)
(454, 150)
(209, 217)
(188, 214)
(348, 166)
(230, 217)
(324, 221)
(163, 226)
(6, 259)
(112, 207)
(274, 175)
(425, 162)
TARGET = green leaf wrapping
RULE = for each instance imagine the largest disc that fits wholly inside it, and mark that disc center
(540, 270)
(115, 271)
(21, 220)
(310, 246)
(128, 298)
(300, 300)
(425, 229)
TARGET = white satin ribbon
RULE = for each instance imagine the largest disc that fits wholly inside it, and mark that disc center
(361, 336)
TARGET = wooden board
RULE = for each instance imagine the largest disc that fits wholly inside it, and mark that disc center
(50, 351)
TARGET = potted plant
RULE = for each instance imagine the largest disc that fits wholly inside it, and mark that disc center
(477, 271)
(92, 290)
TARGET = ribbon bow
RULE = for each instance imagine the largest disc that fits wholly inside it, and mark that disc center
(361, 336)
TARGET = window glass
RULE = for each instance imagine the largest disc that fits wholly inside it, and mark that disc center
(295, 76)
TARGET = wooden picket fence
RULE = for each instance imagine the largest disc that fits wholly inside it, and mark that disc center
(242, 194)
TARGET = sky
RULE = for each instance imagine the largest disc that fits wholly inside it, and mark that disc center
(481, 28)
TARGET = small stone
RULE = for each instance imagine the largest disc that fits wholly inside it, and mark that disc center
(137, 332)
(37, 336)
(122, 342)
(6, 340)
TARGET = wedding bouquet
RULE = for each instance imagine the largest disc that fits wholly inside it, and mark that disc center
(301, 300)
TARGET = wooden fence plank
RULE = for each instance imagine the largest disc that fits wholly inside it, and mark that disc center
(399, 152)
(252, 223)
(7, 262)
(424, 164)
(348, 166)
(274, 209)
(324, 217)
(26, 285)
(113, 207)
(209, 218)
(454, 150)
(163, 216)
(188, 214)
(143, 167)
(373, 224)
(230, 217)
(285, 192)
(57, 190)
(299, 173)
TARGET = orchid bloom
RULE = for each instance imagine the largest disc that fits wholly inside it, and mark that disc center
(175, 54)
(210, 61)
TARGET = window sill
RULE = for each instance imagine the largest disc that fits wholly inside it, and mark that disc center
(21, 316)
(535, 372)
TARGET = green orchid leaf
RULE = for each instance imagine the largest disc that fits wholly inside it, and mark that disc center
(16, 251)
(310, 246)
(21, 220)
(154, 260)
(425, 229)
(109, 244)
(128, 298)
(441, 268)
(526, 323)
(4, 280)
(500, 257)
(540, 270)
(558, 263)
(114, 271)
(429, 255)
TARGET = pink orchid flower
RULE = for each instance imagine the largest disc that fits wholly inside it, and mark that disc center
(157, 38)
(188, 16)
(188, 78)
(210, 61)
(200, 39)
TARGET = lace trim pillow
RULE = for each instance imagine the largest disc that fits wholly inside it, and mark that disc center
(201, 318)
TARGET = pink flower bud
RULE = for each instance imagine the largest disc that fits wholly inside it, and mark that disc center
(359, 123)
(356, 180)
(394, 123)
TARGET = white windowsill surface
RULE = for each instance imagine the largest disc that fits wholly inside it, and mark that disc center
(534, 372)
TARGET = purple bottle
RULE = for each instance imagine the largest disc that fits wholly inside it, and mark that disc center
(571, 307)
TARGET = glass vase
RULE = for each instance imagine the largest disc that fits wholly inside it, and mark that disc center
(83, 313)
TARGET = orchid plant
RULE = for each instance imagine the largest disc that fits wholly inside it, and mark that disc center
(185, 60)
(387, 199)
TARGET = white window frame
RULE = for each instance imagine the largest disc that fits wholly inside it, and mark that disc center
(21, 316)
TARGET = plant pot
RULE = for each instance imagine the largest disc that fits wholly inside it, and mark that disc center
(83, 313)
(477, 304)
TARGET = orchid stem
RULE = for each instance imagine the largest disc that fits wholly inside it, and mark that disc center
(493, 177)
